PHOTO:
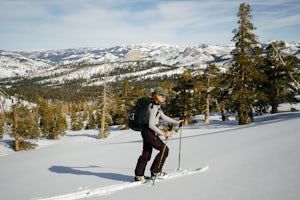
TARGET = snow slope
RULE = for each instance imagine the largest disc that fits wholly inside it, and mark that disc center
(257, 161)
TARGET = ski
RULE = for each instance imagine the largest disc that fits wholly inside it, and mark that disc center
(181, 172)
(106, 190)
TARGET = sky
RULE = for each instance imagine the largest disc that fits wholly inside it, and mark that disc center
(61, 24)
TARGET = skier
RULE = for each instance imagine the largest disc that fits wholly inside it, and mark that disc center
(150, 135)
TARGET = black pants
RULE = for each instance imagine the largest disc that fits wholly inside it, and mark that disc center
(150, 141)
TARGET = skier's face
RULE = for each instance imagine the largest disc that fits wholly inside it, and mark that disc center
(160, 98)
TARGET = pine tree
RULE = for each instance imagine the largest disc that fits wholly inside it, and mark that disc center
(34, 123)
(283, 75)
(223, 95)
(171, 95)
(91, 124)
(199, 93)
(45, 114)
(212, 80)
(184, 91)
(243, 71)
(105, 108)
(76, 118)
(59, 122)
(138, 92)
(125, 105)
(52, 120)
(24, 126)
(3, 96)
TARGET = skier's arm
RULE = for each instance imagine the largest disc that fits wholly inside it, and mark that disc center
(153, 120)
(170, 120)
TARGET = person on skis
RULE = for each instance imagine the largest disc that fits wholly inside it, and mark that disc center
(150, 135)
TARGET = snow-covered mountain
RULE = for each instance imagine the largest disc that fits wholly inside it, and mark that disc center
(16, 65)
(165, 53)
(139, 61)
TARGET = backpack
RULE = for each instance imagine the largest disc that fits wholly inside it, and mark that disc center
(139, 115)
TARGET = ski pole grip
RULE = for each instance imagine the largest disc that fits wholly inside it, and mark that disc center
(180, 124)
(170, 127)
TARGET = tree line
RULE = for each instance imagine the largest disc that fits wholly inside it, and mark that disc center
(258, 79)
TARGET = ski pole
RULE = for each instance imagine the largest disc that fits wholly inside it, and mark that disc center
(163, 152)
(179, 156)
(170, 127)
(160, 161)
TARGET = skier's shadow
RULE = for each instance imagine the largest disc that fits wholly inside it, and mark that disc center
(79, 171)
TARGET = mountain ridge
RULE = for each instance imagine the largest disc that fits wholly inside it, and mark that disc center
(59, 65)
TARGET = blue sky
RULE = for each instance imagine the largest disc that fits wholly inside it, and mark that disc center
(60, 24)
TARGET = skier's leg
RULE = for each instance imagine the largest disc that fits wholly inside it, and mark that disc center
(142, 162)
(160, 157)
(146, 154)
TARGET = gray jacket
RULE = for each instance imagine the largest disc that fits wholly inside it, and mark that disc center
(154, 115)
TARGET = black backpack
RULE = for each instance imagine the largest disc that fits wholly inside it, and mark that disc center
(139, 115)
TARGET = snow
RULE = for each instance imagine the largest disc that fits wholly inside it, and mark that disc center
(256, 161)
(13, 64)
(45, 64)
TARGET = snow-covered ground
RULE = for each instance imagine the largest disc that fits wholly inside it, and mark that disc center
(256, 161)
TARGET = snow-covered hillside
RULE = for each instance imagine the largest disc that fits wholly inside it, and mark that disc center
(52, 63)
(257, 161)
(16, 65)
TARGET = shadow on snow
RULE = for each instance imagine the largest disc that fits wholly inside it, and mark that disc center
(80, 171)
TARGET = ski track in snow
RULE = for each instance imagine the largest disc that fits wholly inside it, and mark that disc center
(103, 191)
